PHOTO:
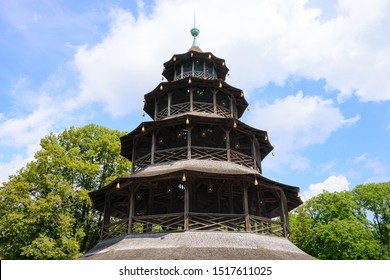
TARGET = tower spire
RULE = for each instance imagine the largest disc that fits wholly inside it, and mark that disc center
(195, 32)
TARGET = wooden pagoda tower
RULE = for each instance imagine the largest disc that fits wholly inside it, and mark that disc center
(196, 166)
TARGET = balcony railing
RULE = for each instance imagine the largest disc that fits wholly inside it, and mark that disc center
(197, 152)
(200, 107)
(196, 221)
(196, 74)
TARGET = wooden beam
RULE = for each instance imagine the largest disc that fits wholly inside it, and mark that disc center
(187, 206)
(153, 148)
(228, 144)
(169, 103)
(189, 142)
(246, 209)
(215, 101)
(131, 211)
(106, 214)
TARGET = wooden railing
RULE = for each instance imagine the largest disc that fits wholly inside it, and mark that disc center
(198, 222)
(169, 155)
(218, 154)
(241, 158)
(197, 152)
(196, 74)
(201, 107)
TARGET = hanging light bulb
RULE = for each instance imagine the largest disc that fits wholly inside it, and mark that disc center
(160, 140)
(179, 135)
(210, 189)
(187, 121)
(203, 133)
(174, 58)
(161, 87)
(189, 81)
(273, 154)
(256, 182)
(138, 196)
(220, 85)
(235, 124)
(210, 56)
(143, 128)
(242, 94)
(299, 195)
(184, 177)
(192, 54)
(266, 137)
(223, 63)
(237, 145)
(118, 186)
(169, 189)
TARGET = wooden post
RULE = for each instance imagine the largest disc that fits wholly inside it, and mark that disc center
(246, 209)
(131, 211)
(191, 99)
(133, 156)
(153, 148)
(231, 107)
(228, 144)
(254, 152)
(106, 214)
(169, 103)
(189, 143)
(284, 209)
(155, 110)
(187, 206)
(215, 101)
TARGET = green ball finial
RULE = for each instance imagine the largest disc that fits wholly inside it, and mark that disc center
(195, 32)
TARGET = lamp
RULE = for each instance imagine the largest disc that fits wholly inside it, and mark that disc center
(210, 189)
(118, 186)
(143, 128)
(169, 189)
(138, 196)
(161, 140)
(179, 135)
(189, 81)
(203, 133)
(187, 121)
(183, 178)
(256, 182)
(235, 124)
(265, 137)
(161, 87)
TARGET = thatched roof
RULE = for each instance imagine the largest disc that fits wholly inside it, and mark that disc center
(196, 245)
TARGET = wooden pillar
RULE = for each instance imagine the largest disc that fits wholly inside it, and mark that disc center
(106, 215)
(189, 142)
(228, 144)
(231, 107)
(169, 103)
(191, 99)
(133, 156)
(187, 206)
(284, 214)
(153, 148)
(131, 210)
(155, 110)
(254, 152)
(246, 209)
(214, 101)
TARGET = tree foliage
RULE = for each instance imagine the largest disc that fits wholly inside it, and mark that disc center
(45, 209)
(337, 225)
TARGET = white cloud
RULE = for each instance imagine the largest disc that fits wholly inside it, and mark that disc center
(377, 169)
(273, 41)
(295, 123)
(334, 183)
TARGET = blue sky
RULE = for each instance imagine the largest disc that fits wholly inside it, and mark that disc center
(316, 75)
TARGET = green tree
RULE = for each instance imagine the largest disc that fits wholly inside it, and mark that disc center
(375, 198)
(333, 226)
(45, 209)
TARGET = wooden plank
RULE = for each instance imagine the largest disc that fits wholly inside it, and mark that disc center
(106, 214)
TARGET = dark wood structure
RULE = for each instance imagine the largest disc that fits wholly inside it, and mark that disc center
(196, 166)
